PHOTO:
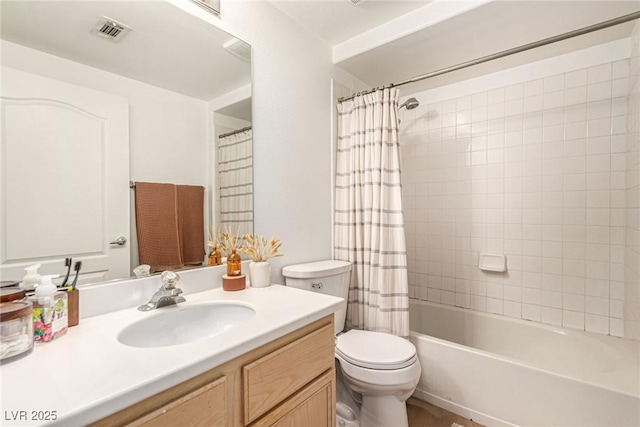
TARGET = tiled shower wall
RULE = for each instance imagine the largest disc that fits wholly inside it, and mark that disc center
(535, 170)
(632, 243)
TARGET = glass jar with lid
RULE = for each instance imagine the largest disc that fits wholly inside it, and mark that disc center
(16, 324)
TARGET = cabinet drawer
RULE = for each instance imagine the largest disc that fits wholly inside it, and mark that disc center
(271, 379)
(206, 406)
(313, 406)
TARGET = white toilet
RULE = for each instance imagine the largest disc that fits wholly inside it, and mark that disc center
(382, 369)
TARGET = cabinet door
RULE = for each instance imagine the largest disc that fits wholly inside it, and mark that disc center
(206, 406)
(313, 406)
(276, 376)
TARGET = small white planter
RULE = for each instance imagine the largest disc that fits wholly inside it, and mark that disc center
(260, 274)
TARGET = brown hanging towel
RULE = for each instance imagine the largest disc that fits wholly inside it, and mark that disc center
(170, 225)
(191, 223)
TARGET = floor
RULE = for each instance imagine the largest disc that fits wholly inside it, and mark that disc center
(423, 414)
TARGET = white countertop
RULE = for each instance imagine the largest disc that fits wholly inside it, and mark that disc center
(87, 374)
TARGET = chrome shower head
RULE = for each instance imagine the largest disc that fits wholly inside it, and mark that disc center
(410, 103)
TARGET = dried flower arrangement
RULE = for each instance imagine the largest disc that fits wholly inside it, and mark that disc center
(213, 238)
(227, 241)
(258, 249)
(214, 257)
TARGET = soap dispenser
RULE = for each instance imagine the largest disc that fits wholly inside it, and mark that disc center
(50, 311)
(31, 279)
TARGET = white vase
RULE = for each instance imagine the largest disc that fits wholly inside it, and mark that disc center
(260, 274)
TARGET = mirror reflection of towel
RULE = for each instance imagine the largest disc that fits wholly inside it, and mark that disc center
(170, 225)
(191, 223)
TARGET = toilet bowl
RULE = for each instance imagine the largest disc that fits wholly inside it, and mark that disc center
(384, 370)
(381, 369)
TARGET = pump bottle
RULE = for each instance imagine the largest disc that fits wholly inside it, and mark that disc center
(31, 279)
(50, 311)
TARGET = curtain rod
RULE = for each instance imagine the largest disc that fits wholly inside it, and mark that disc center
(564, 36)
(244, 129)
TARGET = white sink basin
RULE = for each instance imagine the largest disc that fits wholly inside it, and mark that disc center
(180, 325)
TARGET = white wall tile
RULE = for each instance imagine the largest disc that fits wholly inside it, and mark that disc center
(601, 73)
(514, 107)
(512, 309)
(598, 306)
(495, 305)
(538, 170)
(531, 312)
(553, 99)
(599, 91)
(556, 83)
(575, 113)
(616, 327)
(551, 299)
(616, 309)
(575, 78)
(619, 106)
(619, 87)
(553, 133)
(598, 324)
(498, 95)
(515, 91)
(599, 109)
(573, 319)
(463, 103)
(575, 95)
(575, 130)
(552, 316)
(599, 127)
(620, 69)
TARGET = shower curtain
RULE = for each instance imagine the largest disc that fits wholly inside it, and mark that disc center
(235, 177)
(369, 224)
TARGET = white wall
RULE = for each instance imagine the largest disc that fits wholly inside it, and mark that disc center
(632, 234)
(168, 132)
(292, 107)
(529, 162)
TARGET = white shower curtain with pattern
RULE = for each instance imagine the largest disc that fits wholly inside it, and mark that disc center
(369, 221)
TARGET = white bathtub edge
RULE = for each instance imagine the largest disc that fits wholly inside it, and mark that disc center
(460, 410)
(473, 383)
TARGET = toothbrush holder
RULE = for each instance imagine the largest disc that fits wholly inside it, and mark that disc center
(73, 301)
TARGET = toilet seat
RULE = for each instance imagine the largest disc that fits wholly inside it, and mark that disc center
(375, 350)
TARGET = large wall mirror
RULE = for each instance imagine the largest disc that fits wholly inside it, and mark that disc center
(97, 95)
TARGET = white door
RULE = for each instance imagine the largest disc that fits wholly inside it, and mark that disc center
(64, 172)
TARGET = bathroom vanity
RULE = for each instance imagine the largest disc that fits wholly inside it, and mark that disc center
(276, 368)
(287, 382)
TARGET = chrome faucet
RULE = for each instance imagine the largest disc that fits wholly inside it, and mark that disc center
(168, 294)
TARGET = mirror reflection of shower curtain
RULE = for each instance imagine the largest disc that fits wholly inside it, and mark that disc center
(235, 178)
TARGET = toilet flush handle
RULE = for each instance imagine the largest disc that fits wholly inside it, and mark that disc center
(317, 285)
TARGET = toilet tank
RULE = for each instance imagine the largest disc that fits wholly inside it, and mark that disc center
(330, 277)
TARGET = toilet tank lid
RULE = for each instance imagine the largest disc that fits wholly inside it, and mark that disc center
(316, 269)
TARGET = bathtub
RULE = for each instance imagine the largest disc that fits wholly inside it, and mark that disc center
(500, 371)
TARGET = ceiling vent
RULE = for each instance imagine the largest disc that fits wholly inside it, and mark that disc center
(238, 48)
(110, 29)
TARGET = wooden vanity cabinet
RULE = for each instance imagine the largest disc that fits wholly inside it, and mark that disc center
(312, 406)
(287, 382)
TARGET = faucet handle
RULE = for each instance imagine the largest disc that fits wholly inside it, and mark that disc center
(169, 279)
